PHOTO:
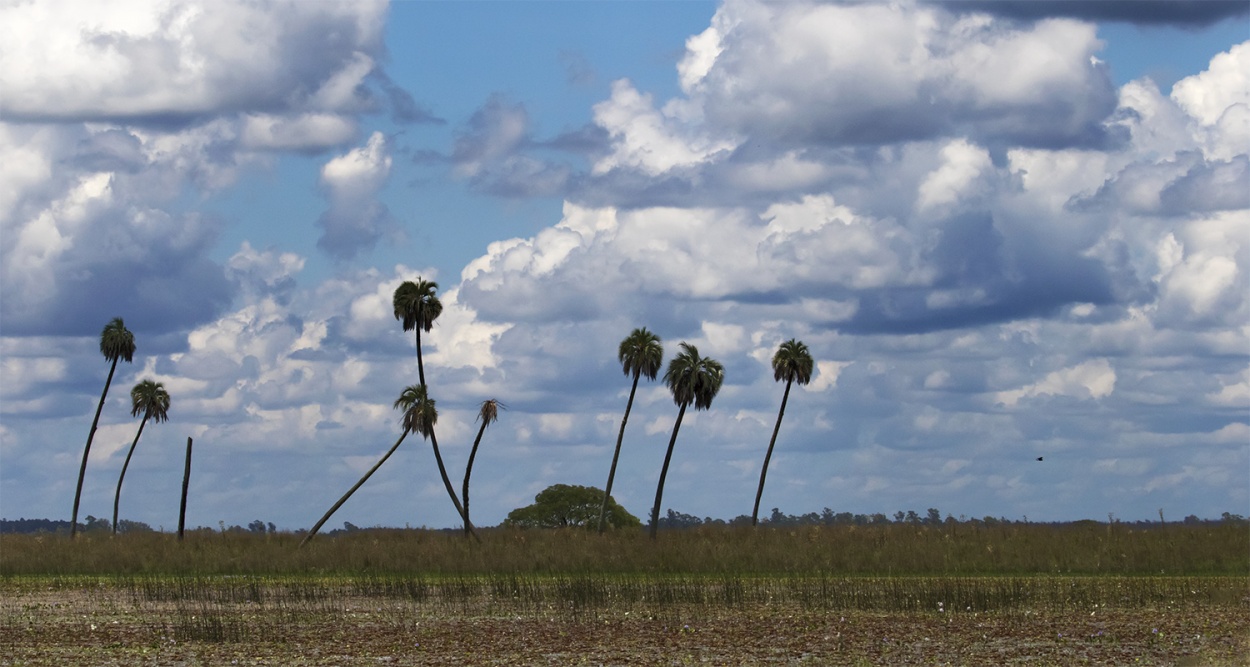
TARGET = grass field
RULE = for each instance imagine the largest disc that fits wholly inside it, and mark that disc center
(1052, 595)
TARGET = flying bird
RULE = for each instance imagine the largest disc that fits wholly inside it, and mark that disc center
(1039, 458)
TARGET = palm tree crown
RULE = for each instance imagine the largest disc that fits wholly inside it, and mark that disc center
(150, 399)
(694, 379)
(792, 362)
(420, 415)
(116, 341)
(416, 304)
(641, 354)
(489, 412)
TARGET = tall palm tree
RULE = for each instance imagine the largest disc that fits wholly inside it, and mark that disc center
(418, 415)
(792, 363)
(489, 412)
(116, 342)
(691, 379)
(152, 400)
(417, 306)
(640, 354)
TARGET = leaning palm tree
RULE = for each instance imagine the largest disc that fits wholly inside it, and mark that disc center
(489, 412)
(692, 379)
(640, 354)
(116, 342)
(792, 363)
(419, 415)
(417, 306)
(442, 470)
(152, 400)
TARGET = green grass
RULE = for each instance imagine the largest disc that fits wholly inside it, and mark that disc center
(949, 550)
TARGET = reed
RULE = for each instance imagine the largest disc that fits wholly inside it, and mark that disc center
(950, 550)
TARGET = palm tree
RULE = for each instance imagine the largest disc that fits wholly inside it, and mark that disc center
(442, 470)
(116, 342)
(792, 363)
(419, 415)
(488, 413)
(417, 306)
(692, 379)
(640, 354)
(152, 400)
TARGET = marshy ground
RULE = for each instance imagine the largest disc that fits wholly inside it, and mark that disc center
(810, 597)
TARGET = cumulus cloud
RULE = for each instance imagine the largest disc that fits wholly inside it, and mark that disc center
(183, 61)
(1090, 379)
(804, 73)
(116, 112)
(356, 220)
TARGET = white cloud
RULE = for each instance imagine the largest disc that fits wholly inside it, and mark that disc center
(826, 375)
(650, 140)
(109, 60)
(1209, 96)
(312, 131)
(962, 164)
(356, 220)
(359, 173)
(805, 72)
(1090, 379)
(1202, 269)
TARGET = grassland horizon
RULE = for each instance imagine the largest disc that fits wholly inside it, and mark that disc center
(952, 548)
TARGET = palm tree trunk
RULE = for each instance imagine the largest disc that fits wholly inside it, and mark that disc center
(82, 470)
(468, 469)
(186, 481)
(420, 364)
(759, 493)
(352, 490)
(442, 470)
(607, 490)
(659, 489)
(117, 498)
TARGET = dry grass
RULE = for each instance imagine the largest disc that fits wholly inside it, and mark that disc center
(953, 549)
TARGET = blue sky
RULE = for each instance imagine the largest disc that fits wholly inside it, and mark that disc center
(1005, 230)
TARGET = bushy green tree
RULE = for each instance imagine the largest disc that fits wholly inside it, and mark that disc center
(570, 506)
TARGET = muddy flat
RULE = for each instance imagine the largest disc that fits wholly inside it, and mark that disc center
(102, 624)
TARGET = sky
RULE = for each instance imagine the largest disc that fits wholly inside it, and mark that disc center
(1015, 237)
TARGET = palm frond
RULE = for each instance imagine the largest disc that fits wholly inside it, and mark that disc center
(641, 353)
(488, 413)
(793, 362)
(419, 412)
(694, 379)
(150, 399)
(116, 341)
(416, 304)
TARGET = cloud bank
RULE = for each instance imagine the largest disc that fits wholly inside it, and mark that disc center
(993, 252)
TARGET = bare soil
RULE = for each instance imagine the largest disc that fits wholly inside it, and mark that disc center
(103, 625)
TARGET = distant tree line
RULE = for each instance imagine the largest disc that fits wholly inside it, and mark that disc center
(932, 517)
(584, 511)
